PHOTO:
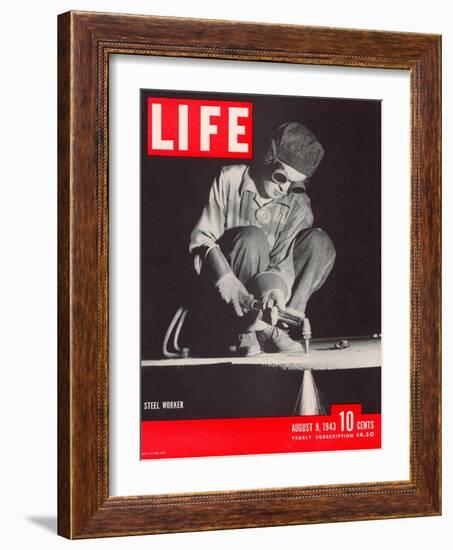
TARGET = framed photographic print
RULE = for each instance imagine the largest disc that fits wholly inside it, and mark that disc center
(249, 275)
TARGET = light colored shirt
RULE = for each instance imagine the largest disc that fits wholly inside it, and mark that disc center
(235, 202)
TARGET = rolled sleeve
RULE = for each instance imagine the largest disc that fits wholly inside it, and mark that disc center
(211, 225)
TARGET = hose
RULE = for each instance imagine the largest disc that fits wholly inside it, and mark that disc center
(177, 321)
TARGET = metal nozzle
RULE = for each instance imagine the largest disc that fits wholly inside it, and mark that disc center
(306, 333)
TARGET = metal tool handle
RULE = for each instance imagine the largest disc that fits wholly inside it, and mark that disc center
(288, 315)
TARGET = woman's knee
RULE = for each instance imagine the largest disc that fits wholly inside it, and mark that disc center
(245, 242)
(253, 236)
(316, 240)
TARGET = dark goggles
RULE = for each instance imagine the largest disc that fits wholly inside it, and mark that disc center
(279, 176)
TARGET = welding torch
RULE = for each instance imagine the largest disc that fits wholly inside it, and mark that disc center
(289, 316)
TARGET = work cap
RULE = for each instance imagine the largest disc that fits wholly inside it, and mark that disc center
(297, 146)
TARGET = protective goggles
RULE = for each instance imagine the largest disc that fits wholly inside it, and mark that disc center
(280, 177)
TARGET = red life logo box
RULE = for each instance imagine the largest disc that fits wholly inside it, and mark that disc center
(199, 128)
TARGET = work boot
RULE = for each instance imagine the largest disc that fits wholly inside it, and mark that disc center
(274, 339)
(248, 344)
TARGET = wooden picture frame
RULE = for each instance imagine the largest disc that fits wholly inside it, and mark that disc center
(85, 42)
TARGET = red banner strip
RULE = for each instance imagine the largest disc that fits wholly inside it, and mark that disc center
(346, 428)
(199, 128)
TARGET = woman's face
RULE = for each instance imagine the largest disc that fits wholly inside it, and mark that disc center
(277, 187)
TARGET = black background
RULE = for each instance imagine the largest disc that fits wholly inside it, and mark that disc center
(345, 193)
(244, 391)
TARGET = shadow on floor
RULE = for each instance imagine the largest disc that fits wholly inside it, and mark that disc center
(49, 523)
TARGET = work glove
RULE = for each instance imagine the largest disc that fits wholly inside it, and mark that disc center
(272, 301)
(233, 292)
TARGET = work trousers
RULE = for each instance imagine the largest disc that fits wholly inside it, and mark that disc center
(247, 251)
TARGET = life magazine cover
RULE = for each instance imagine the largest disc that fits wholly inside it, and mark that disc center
(260, 274)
